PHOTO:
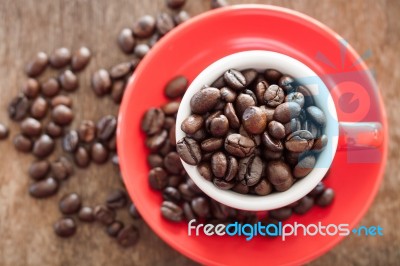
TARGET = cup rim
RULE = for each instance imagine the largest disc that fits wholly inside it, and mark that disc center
(261, 60)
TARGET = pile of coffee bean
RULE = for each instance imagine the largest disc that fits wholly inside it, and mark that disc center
(182, 199)
(252, 132)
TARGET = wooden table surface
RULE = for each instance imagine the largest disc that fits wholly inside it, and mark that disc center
(28, 26)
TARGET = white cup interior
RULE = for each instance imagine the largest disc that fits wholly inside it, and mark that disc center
(261, 60)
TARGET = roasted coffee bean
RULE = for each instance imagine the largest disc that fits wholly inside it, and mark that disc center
(65, 227)
(250, 75)
(326, 198)
(268, 111)
(115, 160)
(61, 57)
(193, 187)
(80, 59)
(235, 79)
(281, 214)
(87, 131)
(81, 157)
(155, 160)
(144, 27)
(61, 99)
(240, 188)
(181, 16)
(128, 236)
(43, 146)
(70, 204)
(201, 207)
(292, 126)
(263, 188)
(117, 91)
(320, 143)
(205, 170)
(271, 155)
(250, 170)
(304, 167)
(189, 151)
(212, 144)
(158, 178)
(169, 122)
(274, 96)
(228, 95)
(175, 4)
(230, 113)
(296, 97)
(254, 120)
(172, 163)
(37, 65)
(62, 115)
(114, 228)
(164, 23)
(318, 190)
(251, 93)
(243, 101)
(18, 108)
(44, 188)
(170, 108)
(39, 169)
(304, 205)
(126, 40)
(286, 111)
(54, 130)
(186, 193)
(219, 211)
(39, 108)
(311, 127)
(31, 88)
(278, 173)
(176, 87)
(120, 70)
(192, 123)
(116, 199)
(69, 81)
(133, 211)
(171, 194)
(232, 168)
(106, 127)
(200, 135)
(219, 164)
(276, 130)
(260, 90)
(60, 170)
(219, 82)
(270, 143)
(292, 158)
(299, 141)
(31, 127)
(287, 83)
(99, 153)
(218, 3)
(188, 212)
(86, 214)
(171, 211)
(101, 82)
(51, 87)
(153, 121)
(272, 75)
(239, 146)
(104, 215)
(22, 143)
(156, 142)
(141, 50)
(70, 141)
(205, 100)
(218, 126)
(316, 115)
(308, 97)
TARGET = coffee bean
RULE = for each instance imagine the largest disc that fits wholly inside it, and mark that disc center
(320, 143)
(171, 194)
(44, 188)
(144, 27)
(164, 23)
(316, 115)
(128, 236)
(271, 155)
(250, 75)
(80, 59)
(114, 228)
(153, 121)
(239, 146)
(22, 143)
(158, 178)
(87, 131)
(98, 153)
(228, 95)
(304, 167)
(104, 215)
(304, 205)
(311, 127)
(171, 211)
(204, 100)
(176, 87)
(155, 160)
(292, 126)
(260, 90)
(299, 141)
(219, 164)
(243, 101)
(318, 190)
(189, 150)
(232, 169)
(270, 143)
(281, 214)
(272, 75)
(81, 157)
(65, 227)
(200, 135)
(201, 207)
(39, 108)
(296, 97)
(101, 82)
(69, 81)
(218, 126)
(61, 169)
(263, 188)
(156, 142)
(286, 111)
(115, 160)
(31, 127)
(39, 169)
(181, 16)
(18, 108)
(70, 141)
(54, 130)
(274, 96)
(308, 97)
(287, 83)
(254, 120)
(51, 87)
(186, 193)
(188, 212)
(172, 163)
(37, 65)
(218, 3)
(219, 82)
(31, 88)
(43, 146)
(106, 127)
(62, 115)
(133, 211)
(141, 50)
(205, 170)
(212, 144)
(326, 198)
(170, 108)
(86, 214)
(279, 173)
(175, 4)
(192, 123)
(117, 91)
(61, 99)
(240, 188)
(70, 204)
(116, 199)
(250, 170)
(276, 130)
(60, 58)
(126, 40)
(235, 79)
(120, 70)
(230, 113)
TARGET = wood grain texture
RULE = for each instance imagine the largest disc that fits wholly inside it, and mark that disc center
(28, 26)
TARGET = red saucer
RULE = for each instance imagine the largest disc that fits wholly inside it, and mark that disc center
(191, 47)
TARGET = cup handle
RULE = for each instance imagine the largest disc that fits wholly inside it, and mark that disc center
(360, 135)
